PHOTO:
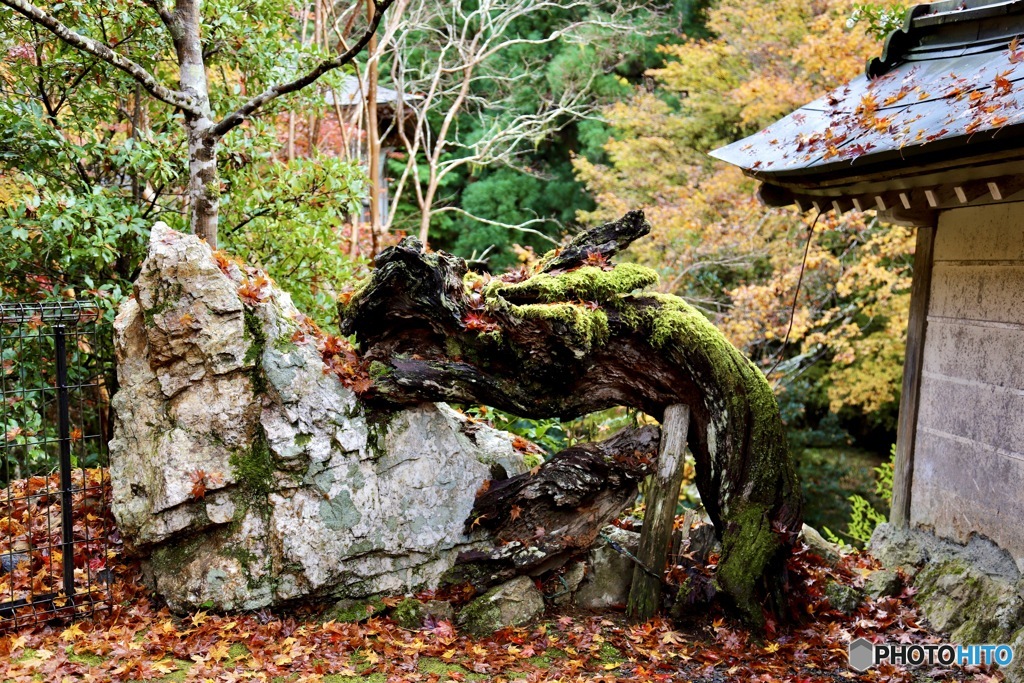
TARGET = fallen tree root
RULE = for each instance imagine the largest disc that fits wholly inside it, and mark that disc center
(577, 336)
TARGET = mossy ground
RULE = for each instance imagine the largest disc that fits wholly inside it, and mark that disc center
(443, 670)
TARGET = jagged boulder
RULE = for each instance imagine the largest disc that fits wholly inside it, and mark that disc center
(246, 472)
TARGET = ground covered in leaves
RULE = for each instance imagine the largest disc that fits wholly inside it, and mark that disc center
(138, 639)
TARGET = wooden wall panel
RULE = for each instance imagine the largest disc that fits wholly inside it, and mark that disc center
(964, 239)
(982, 413)
(987, 292)
(968, 459)
(962, 488)
(988, 353)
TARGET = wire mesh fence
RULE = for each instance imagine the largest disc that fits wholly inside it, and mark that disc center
(54, 525)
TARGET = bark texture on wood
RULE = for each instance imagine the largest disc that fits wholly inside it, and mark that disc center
(540, 519)
(204, 182)
(373, 135)
(575, 338)
(645, 592)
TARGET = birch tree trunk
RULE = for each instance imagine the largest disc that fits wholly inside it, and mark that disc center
(204, 183)
(192, 99)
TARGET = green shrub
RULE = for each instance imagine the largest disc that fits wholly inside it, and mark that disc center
(864, 517)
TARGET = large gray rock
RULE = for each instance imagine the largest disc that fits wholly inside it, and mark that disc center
(882, 583)
(247, 474)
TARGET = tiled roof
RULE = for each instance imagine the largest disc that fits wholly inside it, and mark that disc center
(351, 94)
(949, 84)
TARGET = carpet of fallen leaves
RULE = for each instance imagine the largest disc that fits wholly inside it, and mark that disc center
(32, 549)
(139, 639)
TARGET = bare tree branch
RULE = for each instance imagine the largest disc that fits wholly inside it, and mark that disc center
(40, 17)
(508, 226)
(460, 81)
(246, 110)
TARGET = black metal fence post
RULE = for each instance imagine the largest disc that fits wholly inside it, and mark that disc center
(67, 525)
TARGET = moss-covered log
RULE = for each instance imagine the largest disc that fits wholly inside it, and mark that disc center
(577, 336)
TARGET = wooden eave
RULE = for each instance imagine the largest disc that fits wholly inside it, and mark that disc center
(913, 196)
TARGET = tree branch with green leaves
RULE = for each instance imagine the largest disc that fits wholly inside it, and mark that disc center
(38, 16)
(184, 26)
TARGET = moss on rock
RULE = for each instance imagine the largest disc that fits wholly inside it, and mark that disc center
(254, 469)
(378, 370)
(843, 598)
(355, 611)
(254, 354)
(409, 613)
(515, 603)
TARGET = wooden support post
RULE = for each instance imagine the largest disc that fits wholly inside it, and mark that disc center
(645, 592)
(906, 428)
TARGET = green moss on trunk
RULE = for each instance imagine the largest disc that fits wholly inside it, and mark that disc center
(578, 338)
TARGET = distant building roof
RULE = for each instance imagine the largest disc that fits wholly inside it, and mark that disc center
(937, 121)
(351, 94)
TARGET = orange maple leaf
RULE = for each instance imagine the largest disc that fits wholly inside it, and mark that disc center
(198, 479)
(1002, 85)
(597, 259)
(477, 322)
(251, 292)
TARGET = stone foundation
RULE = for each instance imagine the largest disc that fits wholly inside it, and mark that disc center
(974, 593)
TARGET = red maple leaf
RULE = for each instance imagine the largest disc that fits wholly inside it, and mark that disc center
(198, 479)
(478, 323)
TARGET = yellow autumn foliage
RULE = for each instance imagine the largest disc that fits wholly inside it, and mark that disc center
(715, 244)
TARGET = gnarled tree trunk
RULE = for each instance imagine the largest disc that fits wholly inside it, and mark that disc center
(578, 336)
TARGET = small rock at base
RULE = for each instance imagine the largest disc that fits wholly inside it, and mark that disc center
(10, 561)
(609, 573)
(515, 603)
(413, 614)
(883, 584)
(409, 613)
(571, 580)
(439, 610)
(355, 611)
(843, 598)
(819, 546)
